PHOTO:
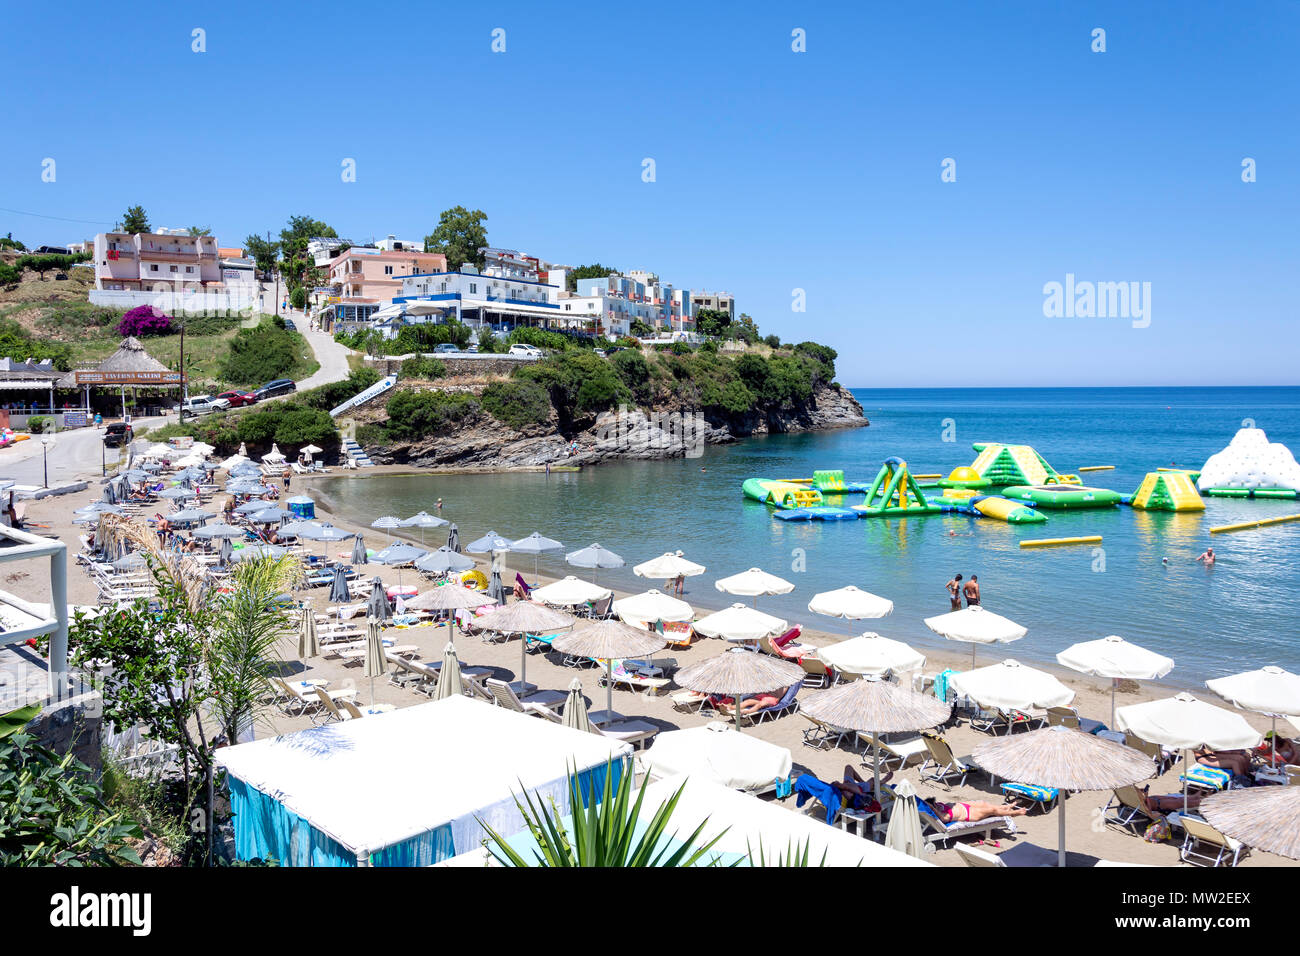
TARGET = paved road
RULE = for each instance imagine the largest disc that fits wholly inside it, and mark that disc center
(72, 455)
(333, 357)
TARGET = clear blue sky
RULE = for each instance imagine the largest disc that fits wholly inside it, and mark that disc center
(775, 170)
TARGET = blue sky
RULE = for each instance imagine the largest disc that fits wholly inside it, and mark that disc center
(775, 170)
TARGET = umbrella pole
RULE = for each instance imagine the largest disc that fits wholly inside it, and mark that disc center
(1187, 769)
(875, 770)
(523, 660)
(1060, 834)
(1113, 682)
(972, 655)
(609, 687)
(1272, 761)
(735, 711)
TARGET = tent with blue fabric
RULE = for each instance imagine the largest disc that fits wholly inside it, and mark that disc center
(406, 788)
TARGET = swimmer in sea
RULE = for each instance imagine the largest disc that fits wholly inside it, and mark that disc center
(1206, 557)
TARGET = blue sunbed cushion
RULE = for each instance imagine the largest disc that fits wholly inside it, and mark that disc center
(1204, 776)
(1031, 791)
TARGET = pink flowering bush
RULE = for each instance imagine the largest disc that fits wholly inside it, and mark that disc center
(145, 320)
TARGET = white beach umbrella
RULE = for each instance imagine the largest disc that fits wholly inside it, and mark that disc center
(871, 654)
(387, 523)
(376, 660)
(740, 623)
(570, 591)
(202, 448)
(422, 520)
(449, 682)
(1011, 685)
(594, 557)
(1269, 690)
(189, 461)
(850, 602)
(232, 462)
(274, 455)
(652, 605)
(753, 583)
(535, 544)
(1117, 659)
(1185, 723)
(974, 626)
(308, 644)
(158, 450)
(904, 833)
(575, 708)
(668, 566)
(309, 450)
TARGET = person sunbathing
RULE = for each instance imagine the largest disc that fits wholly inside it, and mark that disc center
(1169, 802)
(975, 811)
(748, 705)
(859, 789)
(1287, 750)
(1236, 762)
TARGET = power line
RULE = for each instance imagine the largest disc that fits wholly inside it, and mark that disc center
(37, 215)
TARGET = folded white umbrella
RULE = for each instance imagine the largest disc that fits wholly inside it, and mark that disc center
(1117, 659)
(850, 602)
(871, 654)
(753, 583)
(904, 833)
(449, 682)
(653, 605)
(740, 623)
(975, 625)
(274, 454)
(569, 591)
(667, 566)
(1184, 723)
(1011, 685)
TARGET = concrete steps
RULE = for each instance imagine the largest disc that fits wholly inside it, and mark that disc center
(357, 454)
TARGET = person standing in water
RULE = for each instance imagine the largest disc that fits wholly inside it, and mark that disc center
(1206, 557)
(972, 591)
(954, 592)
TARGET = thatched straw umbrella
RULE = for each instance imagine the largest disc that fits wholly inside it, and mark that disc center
(448, 597)
(737, 672)
(1266, 818)
(875, 707)
(604, 641)
(524, 617)
(1065, 759)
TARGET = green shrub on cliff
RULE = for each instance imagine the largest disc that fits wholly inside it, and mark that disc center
(423, 367)
(516, 403)
(576, 382)
(416, 415)
(336, 393)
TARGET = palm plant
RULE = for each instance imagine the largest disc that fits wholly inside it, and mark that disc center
(604, 830)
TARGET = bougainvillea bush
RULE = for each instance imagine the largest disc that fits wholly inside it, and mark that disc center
(145, 320)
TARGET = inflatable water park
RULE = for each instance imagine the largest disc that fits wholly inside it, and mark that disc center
(1017, 485)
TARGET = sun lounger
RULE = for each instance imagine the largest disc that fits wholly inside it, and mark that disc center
(937, 831)
(1164, 759)
(1069, 717)
(1034, 795)
(817, 671)
(822, 736)
(1125, 808)
(505, 697)
(990, 719)
(634, 732)
(522, 589)
(1202, 842)
(1206, 779)
(651, 685)
(978, 858)
(678, 634)
(354, 712)
(900, 751)
(688, 701)
(296, 697)
(946, 764)
(599, 610)
(786, 704)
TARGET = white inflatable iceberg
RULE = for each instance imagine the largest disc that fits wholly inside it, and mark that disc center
(1251, 461)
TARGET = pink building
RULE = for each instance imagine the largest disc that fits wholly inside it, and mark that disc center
(135, 263)
(375, 275)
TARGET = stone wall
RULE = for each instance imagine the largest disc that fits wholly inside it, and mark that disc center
(456, 365)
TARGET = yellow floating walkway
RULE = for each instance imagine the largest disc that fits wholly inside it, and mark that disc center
(1048, 542)
(1246, 525)
(1096, 468)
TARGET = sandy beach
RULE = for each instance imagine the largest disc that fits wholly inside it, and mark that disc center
(1086, 833)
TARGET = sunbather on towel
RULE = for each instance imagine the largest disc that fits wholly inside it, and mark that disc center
(1236, 762)
(1169, 802)
(858, 791)
(750, 704)
(975, 811)
(1287, 751)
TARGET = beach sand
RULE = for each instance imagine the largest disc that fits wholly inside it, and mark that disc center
(1085, 832)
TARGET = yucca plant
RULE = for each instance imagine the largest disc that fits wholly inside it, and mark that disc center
(604, 830)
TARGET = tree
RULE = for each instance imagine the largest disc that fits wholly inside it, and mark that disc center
(135, 220)
(593, 271)
(711, 321)
(459, 236)
(200, 230)
(299, 231)
(9, 242)
(263, 251)
(145, 320)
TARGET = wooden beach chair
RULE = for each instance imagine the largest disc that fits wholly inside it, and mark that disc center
(946, 763)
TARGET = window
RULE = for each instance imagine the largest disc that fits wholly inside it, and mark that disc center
(153, 267)
(189, 268)
(173, 269)
(473, 288)
(388, 270)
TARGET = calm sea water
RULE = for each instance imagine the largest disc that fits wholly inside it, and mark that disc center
(1240, 614)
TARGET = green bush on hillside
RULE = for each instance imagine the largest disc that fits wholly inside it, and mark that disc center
(516, 403)
(416, 415)
(264, 352)
(17, 343)
(577, 382)
(423, 367)
(336, 393)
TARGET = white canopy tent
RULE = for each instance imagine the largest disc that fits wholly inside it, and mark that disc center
(1011, 685)
(749, 823)
(717, 753)
(405, 788)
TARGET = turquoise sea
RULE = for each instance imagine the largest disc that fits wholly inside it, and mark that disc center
(1240, 614)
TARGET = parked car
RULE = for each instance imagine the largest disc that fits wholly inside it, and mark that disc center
(203, 404)
(118, 435)
(238, 399)
(528, 351)
(445, 348)
(280, 386)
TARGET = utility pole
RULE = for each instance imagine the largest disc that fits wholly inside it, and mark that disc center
(185, 391)
(277, 278)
